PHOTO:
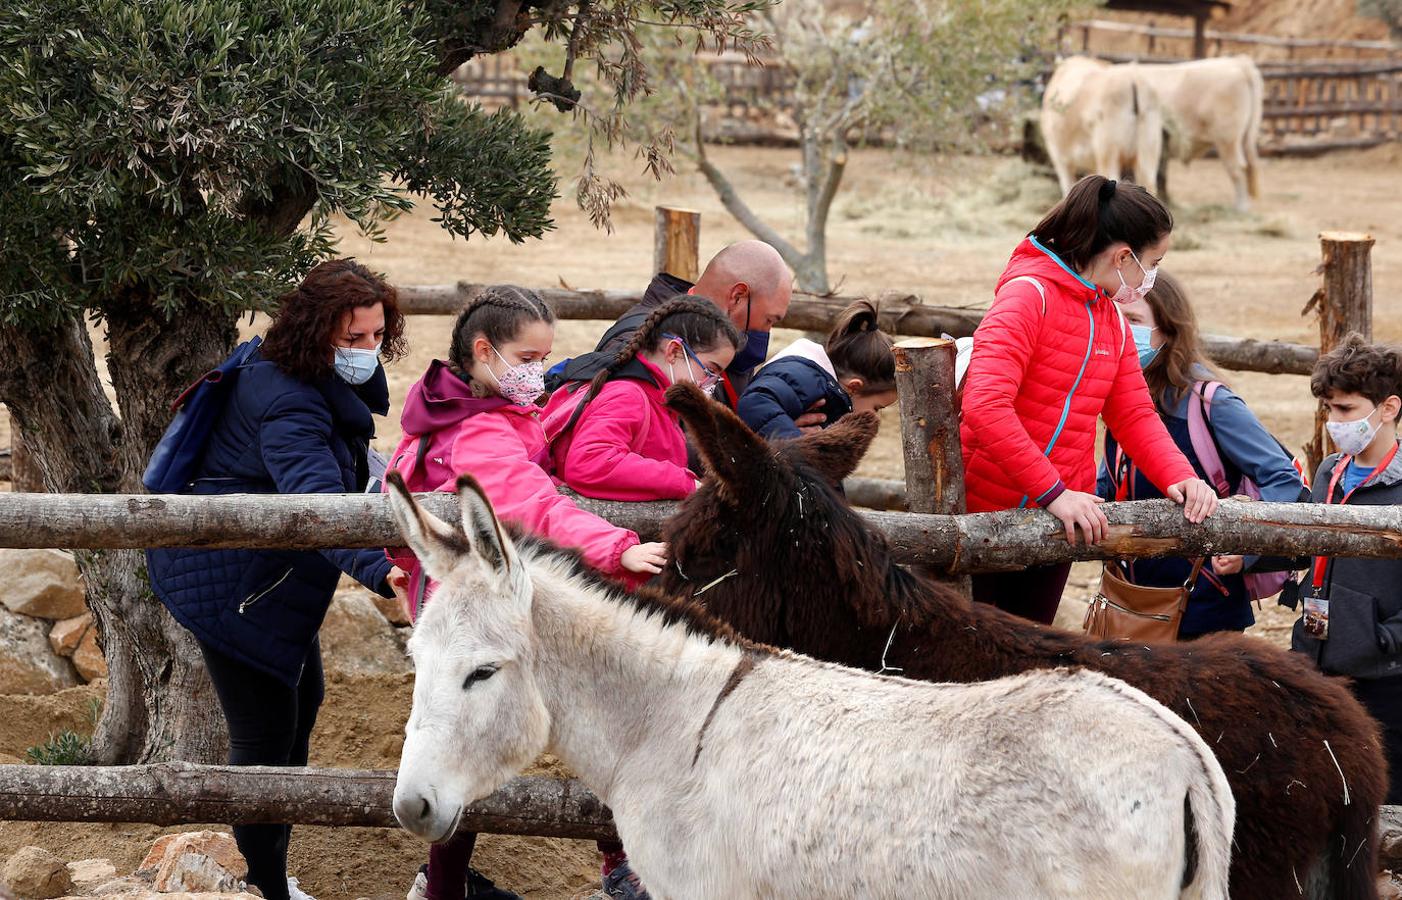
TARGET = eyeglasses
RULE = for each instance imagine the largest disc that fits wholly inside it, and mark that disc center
(710, 378)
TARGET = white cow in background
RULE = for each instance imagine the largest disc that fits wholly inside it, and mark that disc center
(1101, 119)
(1213, 104)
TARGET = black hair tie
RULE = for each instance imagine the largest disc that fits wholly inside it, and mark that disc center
(1107, 190)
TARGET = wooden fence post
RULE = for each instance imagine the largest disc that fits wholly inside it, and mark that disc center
(934, 461)
(678, 243)
(1344, 303)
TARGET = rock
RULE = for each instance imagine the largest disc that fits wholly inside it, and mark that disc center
(65, 636)
(356, 639)
(1390, 838)
(195, 861)
(88, 659)
(123, 887)
(391, 609)
(36, 874)
(87, 874)
(43, 584)
(1388, 888)
(28, 665)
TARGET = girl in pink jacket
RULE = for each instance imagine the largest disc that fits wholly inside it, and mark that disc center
(476, 414)
(619, 441)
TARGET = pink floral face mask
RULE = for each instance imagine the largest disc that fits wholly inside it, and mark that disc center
(521, 383)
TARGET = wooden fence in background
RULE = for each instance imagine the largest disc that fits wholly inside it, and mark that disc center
(1320, 95)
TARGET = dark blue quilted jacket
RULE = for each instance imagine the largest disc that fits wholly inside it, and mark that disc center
(277, 435)
(786, 388)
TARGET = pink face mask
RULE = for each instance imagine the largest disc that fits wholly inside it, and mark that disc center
(1127, 294)
(521, 383)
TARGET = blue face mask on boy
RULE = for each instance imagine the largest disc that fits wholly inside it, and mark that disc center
(1147, 351)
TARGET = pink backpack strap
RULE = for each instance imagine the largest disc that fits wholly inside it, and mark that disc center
(1200, 434)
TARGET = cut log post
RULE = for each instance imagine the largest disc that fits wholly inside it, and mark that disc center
(183, 793)
(934, 464)
(983, 542)
(1344, 304)
(678, 243)
(903, 314)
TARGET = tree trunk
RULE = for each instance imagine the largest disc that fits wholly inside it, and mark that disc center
(159, 703)
(24, 474)
(181, 794)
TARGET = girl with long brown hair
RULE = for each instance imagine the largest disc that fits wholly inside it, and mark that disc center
(1179, 376)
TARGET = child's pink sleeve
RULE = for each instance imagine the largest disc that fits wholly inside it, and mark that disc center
(491, 450)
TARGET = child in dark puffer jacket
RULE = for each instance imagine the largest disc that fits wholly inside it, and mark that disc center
(853, 371)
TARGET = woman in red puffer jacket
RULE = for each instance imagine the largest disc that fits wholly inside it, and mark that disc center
(1053, 354)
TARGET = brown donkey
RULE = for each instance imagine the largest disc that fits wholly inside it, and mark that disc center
(769, 546)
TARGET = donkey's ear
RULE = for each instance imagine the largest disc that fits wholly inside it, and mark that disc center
(438, 545)
(479, 523)
(731, 453)
(836, 450)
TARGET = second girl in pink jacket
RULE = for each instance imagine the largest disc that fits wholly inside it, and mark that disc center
(617, 440)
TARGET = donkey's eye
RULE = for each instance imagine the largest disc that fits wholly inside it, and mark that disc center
(481, 673)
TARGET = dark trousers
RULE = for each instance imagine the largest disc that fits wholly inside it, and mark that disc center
(1382, 697)
(447, 866)
(270, 724)
(1032, 593)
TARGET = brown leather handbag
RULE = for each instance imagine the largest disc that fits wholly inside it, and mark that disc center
(1123, 610)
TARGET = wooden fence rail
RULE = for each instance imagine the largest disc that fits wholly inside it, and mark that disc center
(185, 794)
(980, 542)
(901, 313)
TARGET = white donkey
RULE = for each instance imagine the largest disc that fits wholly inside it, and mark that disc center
(736, 770)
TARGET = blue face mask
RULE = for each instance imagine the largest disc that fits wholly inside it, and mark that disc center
(355, 366)
(752, 353)
(1147, 351)
(754, 346)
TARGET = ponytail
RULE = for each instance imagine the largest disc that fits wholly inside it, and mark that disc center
(498, 313)
(858, 348)
(1098, 212)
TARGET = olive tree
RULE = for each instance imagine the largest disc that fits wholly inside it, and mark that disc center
(168, 165)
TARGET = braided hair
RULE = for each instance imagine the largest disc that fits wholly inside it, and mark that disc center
(497, 313)
(697, 321)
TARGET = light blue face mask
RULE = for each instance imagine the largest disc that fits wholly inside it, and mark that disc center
(354, 365)
(1147, 351)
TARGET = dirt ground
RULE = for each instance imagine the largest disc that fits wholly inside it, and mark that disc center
(940, 228)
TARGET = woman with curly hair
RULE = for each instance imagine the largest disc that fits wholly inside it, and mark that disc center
(298, 421)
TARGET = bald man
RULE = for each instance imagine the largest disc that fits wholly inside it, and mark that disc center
(750, 283)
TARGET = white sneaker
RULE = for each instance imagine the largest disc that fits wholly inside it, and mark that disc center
(420, 889)
(296, 893)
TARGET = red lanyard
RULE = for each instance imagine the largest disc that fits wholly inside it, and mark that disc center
(1322, 562)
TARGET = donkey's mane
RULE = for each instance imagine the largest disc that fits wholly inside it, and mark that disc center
(666, 608)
